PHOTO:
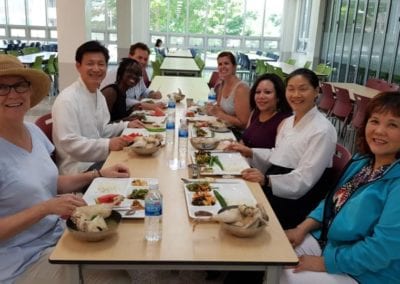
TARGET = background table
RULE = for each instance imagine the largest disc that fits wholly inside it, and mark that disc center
(185, 53)
(29, 59)
(356, 88)
(177, 66)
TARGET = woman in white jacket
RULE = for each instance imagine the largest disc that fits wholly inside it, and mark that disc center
(293, 174)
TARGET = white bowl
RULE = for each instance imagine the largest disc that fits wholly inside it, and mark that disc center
(242, 232)
(146, 150)
(112, 222)
(204, 143)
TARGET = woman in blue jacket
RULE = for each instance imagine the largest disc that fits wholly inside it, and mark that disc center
(354, 234)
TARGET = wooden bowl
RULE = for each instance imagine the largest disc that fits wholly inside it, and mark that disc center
(112, 222)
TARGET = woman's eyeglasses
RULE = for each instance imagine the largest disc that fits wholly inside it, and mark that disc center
(19, 87)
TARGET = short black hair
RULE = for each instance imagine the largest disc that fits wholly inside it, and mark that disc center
(279, 86)
(91, 46)
(123, 65)
(138, 45)
(309, 75)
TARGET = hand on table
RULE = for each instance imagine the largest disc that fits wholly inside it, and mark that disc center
(241, 148)
(116, 171)
(155, 95)
(117, 143)
(135, 124)
(64, 205)
(253, 175)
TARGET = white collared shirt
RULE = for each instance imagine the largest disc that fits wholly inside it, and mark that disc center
(307, 147)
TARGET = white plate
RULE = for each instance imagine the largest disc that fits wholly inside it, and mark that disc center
(233, 162)
(102, 186)
(235, 193)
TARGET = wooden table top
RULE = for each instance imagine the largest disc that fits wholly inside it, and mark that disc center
(356, 88)
(179, 64)
(192, 87)
(208, 244)
(185, 53)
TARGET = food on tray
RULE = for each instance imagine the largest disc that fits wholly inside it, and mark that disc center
(138, 194)
(114, 199)
(203, 198)
(147, 141)
(220, 199)
(215, 160)
(198, 186)
(139, 182)
(219, 127)
(202, 157)
(190, 114)
(91, 218)
(136, 205)
(204, 143)
(202, 213)
(177, 96)
(154, 127)
(130, 137)
(201, 124)
(200, 132)
(158, 112)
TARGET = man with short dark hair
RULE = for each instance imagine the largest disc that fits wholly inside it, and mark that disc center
(81, 131)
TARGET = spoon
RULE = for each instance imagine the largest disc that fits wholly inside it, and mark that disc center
(130, 212)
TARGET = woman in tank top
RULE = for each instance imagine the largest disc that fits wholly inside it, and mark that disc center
(233, 95)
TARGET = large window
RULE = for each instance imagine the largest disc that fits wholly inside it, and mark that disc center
(304, 25)
(361, 40)
(212, 25)
(28, 21)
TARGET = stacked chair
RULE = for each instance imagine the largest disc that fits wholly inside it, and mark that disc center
(326, 100)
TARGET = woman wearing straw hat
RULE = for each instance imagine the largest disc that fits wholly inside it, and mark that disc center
(30, 210)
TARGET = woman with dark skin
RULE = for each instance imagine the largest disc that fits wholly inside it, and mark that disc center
(129, 74)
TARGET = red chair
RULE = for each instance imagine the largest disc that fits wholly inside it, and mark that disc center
(342, 109)
(214, 79)
(339, 161)
(360, 107)
(327, 99)
(45, 123)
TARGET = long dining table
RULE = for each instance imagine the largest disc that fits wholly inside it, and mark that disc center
(208, 247)
(29, 59)
(358, 89)
(179, 66)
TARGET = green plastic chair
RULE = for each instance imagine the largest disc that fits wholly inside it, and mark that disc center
(38, 63)
(269, 68)
(291, 61)
(320, 68)
(307, 64)
(13, 52)
(50, 69)
(260, 67)
(278, 71)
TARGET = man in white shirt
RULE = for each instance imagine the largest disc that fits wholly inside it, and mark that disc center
(81, 131)
(141, 52)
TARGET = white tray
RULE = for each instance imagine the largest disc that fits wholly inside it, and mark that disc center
(233, 162)
(234, 191)
(101, 186)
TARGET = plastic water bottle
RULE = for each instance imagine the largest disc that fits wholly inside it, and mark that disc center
(170, 128)
(153, 214)
(212, 96)
(171, 106)
(183, 142)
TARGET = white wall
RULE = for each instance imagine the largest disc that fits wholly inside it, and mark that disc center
(72, 30)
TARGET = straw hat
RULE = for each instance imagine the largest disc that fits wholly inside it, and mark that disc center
(40, 82)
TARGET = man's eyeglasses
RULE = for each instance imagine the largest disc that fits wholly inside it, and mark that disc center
(20, 87)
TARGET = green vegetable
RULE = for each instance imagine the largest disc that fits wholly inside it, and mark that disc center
(218, 162)
(220, 199)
